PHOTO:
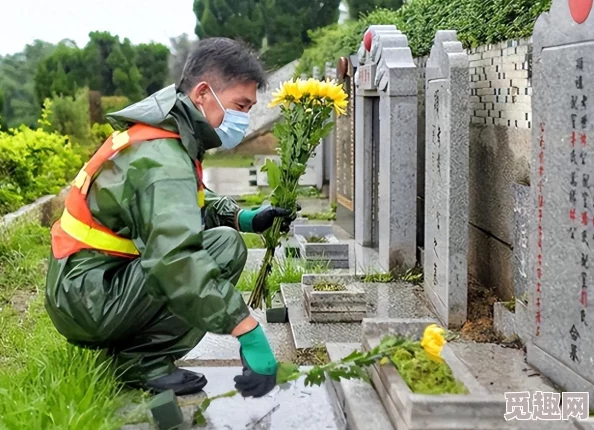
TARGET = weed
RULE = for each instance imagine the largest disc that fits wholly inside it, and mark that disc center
(316, 239)
(510, 306)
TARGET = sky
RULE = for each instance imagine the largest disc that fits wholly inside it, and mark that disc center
(141, 21)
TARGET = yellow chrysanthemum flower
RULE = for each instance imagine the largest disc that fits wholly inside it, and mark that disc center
(433, 341)
(322, 92)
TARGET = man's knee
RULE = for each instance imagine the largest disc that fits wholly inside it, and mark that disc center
(227, 247)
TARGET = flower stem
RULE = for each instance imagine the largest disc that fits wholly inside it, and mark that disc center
(260, 293)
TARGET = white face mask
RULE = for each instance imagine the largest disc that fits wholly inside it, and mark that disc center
(233, 127)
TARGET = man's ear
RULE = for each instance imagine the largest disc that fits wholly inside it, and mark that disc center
(199, 92)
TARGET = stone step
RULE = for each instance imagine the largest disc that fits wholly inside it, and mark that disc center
(293, 407)
(357, 400)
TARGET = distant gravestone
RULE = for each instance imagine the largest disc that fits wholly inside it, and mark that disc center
(446, 179)
(386, 147)
(562, 191)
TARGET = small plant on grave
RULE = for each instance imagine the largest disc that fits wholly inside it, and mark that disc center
(328, 287)
(419, 363)
(316, 239)
(306, 107)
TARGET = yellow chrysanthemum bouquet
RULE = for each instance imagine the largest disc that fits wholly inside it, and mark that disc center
(306, 108)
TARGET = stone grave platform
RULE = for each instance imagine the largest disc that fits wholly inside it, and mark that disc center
(291, 407)
(223, 350)
(384, 300)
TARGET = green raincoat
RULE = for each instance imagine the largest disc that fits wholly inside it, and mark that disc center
(153, 310)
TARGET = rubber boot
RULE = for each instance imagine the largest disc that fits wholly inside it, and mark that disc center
(181, 381)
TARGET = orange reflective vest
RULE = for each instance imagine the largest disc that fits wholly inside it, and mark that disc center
(76, 229)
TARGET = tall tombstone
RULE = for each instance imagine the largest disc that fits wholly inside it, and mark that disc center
(386, 147)
(561, 292)
(343, 189)
(447, 131)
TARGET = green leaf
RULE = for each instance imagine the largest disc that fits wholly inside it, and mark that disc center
(273, 172)
(287, 372)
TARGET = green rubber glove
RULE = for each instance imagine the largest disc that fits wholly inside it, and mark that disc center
(257, 352)
(261, 219)
(258, 375)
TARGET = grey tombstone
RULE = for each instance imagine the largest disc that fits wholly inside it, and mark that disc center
(385, 148)
(446, 178)
(561, 291)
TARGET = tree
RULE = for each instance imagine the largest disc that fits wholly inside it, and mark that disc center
(288, 23)
(17, 84)
(235, 19)
(363, 7)
(152, 63)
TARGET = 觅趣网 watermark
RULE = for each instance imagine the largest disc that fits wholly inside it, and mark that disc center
(546, 406)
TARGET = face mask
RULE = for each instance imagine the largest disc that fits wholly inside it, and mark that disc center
(233, 127)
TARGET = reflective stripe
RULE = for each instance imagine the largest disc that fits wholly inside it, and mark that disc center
(97, 239)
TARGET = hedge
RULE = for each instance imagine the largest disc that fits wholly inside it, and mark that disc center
(34, 163)
(478, 22)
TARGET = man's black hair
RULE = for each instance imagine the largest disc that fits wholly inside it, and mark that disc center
(221, 62)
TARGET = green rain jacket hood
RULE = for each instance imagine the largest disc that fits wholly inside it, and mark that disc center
(148, 193)
(171, 110)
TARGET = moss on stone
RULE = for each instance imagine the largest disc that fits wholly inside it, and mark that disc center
(328, 286)
(422, 375)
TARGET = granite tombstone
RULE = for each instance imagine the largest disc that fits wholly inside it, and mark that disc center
(561, 288)
(446, 180)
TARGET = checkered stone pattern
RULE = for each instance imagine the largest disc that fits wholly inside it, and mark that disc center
(500, 84)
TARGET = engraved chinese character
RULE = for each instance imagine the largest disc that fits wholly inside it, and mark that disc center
(574, 405)
(573, 118)
(572, 198)
(573, 157)
(572, 231)
(583, 155)
(584, 100)
(579, 63)
(584, 238)
(436, 102)
(583, 316)
(584, 297)
(572, 214)
(585, 199)
(585, 260)
(574, 333)
(584, 278)
(584, 121)
(434, 273)
(573, 353)
(437, 216)
(586, 180)
(573, 179)
(517, 406)
(573, 138)
(546, 406)
(585, 218)
(579, 83)
(574, 102)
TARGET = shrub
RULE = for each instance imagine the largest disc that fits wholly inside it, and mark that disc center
(70, 117)
(477, 22)
(113, 103)
(34, 163)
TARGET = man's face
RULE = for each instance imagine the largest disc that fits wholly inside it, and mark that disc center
(240, 97)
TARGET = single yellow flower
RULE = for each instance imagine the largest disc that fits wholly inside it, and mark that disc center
(433, 341)
(384, 361)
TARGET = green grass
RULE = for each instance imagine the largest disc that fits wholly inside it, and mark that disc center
(256, 199)
(284, 271)
(225, 159)
(45, 382)
(329, 215)
(253, 240)
(412, 276)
